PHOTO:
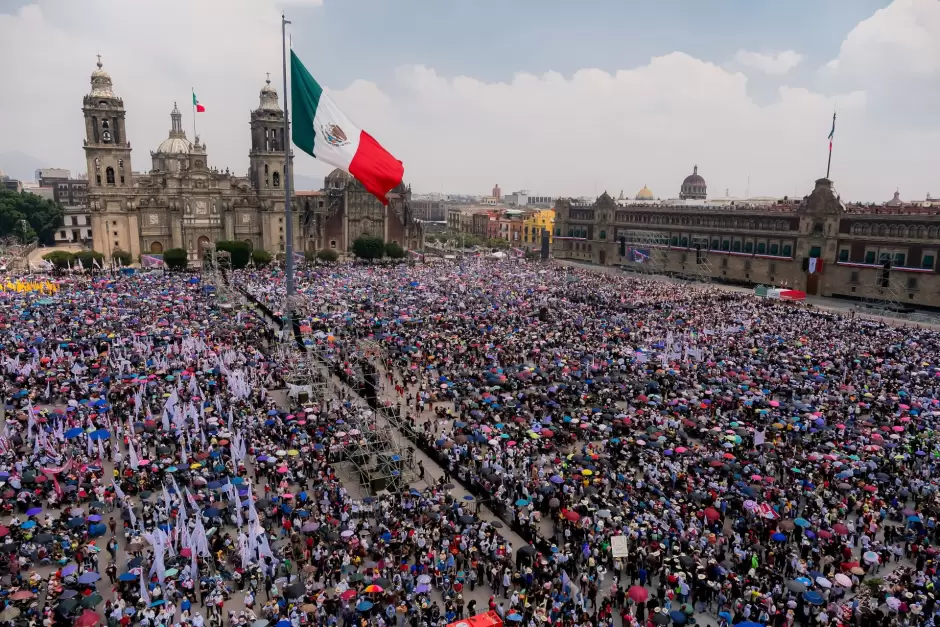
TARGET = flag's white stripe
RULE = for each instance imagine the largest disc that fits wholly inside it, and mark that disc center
(327, 116)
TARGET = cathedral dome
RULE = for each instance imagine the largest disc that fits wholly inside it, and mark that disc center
(645, 194)
(175, 146)
(176, 143)
(693, 186)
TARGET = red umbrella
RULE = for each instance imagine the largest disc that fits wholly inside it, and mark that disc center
(571, 515)
(712, 514)
(87, 619)
(840, 529)
(638, 594)
(348, 595)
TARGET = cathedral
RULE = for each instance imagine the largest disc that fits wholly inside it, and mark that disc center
(182, 202)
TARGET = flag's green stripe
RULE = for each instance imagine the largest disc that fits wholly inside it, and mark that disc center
(305, 97)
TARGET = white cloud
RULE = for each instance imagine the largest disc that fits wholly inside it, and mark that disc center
(776, 64)
(553, 134)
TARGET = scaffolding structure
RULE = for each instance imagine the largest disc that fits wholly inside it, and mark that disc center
(217, 272)
(646, 251)
(883, 296)
(379, 453)
(702, 268)
(309, 374)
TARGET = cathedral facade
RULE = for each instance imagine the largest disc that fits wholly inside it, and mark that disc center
(182, 202)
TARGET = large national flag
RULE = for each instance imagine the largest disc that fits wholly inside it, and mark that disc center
(199, 106)
(832, 133)
(323, 131)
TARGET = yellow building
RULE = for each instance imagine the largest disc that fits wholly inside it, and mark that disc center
(532, 226)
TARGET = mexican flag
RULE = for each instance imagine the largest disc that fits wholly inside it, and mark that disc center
(323, 131)
(199, 107)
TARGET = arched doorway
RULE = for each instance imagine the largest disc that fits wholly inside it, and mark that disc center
(201, 243)
(156, 248)
(603, 257)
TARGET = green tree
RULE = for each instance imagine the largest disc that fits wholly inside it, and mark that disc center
(497, 242)
(240, 252)
(60, 258)
(262, 258)
(393, 250)
(43, 216)
(176, 259)
(328, 255)
(310, 255)
(430, 239)
(369, 248)
(88, 258)
(121, 257)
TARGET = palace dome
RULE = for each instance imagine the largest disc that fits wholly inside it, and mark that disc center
(693, 186)
(645, 194)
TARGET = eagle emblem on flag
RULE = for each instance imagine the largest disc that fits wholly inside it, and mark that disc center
(334, 135)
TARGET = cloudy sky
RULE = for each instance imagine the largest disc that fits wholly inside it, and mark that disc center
(562, 98)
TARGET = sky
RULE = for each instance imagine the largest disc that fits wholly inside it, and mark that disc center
(559, 98)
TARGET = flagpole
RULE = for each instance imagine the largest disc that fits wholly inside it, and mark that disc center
(831, 137)
(192, 96)
(289, 230)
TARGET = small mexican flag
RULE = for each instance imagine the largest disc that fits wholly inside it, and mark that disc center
(323, 131)
(198, 105)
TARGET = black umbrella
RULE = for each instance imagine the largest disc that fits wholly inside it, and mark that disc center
(295, 591)
(527, 549)
(660, 619)
(465, 519)
(795, 586)
(67, 605)
(496, 524)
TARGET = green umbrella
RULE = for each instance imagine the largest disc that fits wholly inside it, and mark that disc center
(91, 600)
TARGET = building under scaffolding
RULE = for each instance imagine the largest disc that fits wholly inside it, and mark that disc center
(883, 298)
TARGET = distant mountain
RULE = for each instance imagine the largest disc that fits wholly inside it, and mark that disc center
(19, 165)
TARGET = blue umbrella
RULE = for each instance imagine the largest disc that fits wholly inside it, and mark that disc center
(749, 623)
(73, 433)
(778, 537)
(127, 577)
(364, 606)
(90, 577)
(34, 511)
(812, 597)
(516, 618)
(801, 522)
(677, 617)
(210, 512)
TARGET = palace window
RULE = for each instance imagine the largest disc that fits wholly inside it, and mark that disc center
(815, 251)
(927, 262)
(844, 254)
(787, 250)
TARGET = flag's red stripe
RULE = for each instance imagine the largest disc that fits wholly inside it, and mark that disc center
(830, 145)
(200, 108)
(377, 170)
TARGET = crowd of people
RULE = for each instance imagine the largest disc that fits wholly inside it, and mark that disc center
(750, 460)
(636, 453)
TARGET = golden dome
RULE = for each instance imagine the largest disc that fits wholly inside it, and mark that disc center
(645, 194)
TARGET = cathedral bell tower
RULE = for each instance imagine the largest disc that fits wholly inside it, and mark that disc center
(266, 158)
(108, 162)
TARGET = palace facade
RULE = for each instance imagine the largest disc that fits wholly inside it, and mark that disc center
(885, 253)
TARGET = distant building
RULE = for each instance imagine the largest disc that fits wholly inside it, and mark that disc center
(43, 192)
(532, 226)
(497, 192)
(429, 209)
(52, 173)
(523, 198)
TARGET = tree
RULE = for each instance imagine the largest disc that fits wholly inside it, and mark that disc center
(310, 255)
(60, 259)
(262, 258)
(121, 257)
(369, 248)
(88, 258)
(43, 216)
(497, 242)
(240, 252)
(393, 250)
(430, 239)
(328, 255)
(176, 259)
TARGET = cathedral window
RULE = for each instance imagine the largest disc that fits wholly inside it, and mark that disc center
(265, 174)
(121, 164)
(110, 175)
(106, 132)
(277, 179)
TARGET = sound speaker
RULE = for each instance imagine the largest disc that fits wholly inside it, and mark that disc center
(378, 484)
(623, 246)
(886, 274)
(698, 252)
(545, 250)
